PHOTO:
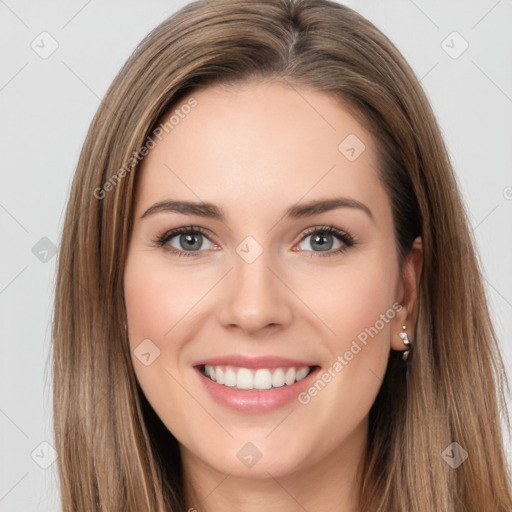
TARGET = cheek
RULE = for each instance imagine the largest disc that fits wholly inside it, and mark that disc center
(152, 308)
(156, 312)
(149, 310)
(158, 297)
(358, 305)
(162, 305)
(352, 299)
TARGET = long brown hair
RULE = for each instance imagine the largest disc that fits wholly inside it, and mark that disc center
(114, 452)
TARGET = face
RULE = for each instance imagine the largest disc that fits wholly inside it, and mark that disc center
(285, 290)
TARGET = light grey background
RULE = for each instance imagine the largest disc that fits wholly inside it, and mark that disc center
(46, 106)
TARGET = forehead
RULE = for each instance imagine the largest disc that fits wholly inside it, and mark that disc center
(258, 144)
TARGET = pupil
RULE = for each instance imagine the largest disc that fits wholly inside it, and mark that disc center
(188, 240)
(322, 244)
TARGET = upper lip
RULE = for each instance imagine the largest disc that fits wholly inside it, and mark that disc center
(242, 361)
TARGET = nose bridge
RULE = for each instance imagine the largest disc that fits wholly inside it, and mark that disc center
(254, 296)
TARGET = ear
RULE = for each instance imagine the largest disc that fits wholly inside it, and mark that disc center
(408, 295)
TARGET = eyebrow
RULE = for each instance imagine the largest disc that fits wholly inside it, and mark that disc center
(210, 210)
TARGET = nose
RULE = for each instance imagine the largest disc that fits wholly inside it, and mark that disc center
(255, 297)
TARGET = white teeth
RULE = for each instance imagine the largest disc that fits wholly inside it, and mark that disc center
(230, 378)
(244, 379)
(278, 378)
(263, 378)
(302, 373)
(289, 378)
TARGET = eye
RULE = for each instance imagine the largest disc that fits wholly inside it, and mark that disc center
(321, 238)
(189, 240)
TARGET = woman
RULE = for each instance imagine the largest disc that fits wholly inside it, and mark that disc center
(206, 356)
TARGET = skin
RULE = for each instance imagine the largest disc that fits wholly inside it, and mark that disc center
(255, 150)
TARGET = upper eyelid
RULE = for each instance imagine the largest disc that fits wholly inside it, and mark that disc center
(171, 233)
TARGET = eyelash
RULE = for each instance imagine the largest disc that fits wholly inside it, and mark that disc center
(347, 239)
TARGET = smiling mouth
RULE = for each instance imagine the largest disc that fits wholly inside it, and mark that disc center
(256, 379)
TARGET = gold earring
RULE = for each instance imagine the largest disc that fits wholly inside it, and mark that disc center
(406, 342)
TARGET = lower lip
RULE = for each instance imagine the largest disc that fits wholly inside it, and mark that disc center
(255, 401)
